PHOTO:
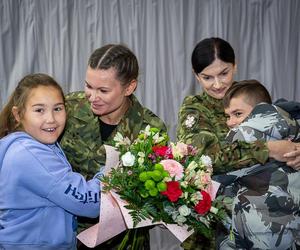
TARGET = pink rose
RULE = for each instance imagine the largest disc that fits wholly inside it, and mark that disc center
(174, 168)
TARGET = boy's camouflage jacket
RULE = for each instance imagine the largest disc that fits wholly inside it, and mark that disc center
(202, 123)
(82, 141)
(266, 122)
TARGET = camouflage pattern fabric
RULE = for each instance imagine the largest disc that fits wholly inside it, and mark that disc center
(267, 205)
(266, 122)
(82, 142)
(84, 148)
(202, 123)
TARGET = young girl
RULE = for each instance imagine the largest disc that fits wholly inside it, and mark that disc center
(39, 193)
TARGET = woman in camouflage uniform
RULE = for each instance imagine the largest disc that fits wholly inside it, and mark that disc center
(107, 106)
(202, 121)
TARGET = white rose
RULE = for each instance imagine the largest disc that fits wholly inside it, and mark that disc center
(128, 159)
(206, 160)
(184, 210)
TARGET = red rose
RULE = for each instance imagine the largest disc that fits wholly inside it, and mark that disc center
(173, 191)
(204, 205)
(163, 151)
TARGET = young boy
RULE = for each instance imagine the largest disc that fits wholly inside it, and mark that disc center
(246, 117)
(266, 206)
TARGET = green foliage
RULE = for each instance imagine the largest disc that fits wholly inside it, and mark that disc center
(142, 180)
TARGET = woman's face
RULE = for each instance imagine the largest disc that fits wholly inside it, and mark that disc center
(105, 92)
(217, 78)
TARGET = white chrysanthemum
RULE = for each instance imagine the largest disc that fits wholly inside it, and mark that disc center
(128, 159)
(206, 160)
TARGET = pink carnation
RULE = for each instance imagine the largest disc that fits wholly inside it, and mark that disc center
(174, 168)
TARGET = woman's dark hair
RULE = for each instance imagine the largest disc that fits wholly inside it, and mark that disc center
(19, 97)
(252, 90)
(209, 49)
(120, 58)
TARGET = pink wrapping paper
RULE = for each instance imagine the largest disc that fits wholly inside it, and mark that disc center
(115, 218)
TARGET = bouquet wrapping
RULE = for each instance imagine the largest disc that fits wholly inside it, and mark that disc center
(149, 181)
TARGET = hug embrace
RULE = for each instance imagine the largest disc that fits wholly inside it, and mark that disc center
(52, 153)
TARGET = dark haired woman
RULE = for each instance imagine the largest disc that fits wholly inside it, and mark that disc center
(107, 106)
(202, 121)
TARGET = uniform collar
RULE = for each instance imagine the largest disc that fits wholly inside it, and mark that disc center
(217, 103)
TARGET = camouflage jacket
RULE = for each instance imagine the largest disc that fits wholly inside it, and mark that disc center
(202, 123)
(266, 122)
(82, 141)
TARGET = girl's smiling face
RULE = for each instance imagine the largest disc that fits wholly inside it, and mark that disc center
(45, 115)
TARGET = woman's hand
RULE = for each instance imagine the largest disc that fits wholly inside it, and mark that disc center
(285, 151)
(293, 157)
(278, 149)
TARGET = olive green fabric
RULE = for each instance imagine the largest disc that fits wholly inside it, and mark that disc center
(82, 142)
(202, 123)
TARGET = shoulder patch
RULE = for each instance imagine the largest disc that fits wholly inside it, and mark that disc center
(190, 121)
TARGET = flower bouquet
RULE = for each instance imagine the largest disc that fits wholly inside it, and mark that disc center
(168, 183)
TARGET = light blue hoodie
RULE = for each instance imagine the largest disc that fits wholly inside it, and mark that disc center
(39, 196)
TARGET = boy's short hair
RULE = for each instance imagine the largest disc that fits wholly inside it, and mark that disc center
(253, 91)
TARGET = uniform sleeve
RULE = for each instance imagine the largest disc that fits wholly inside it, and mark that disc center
(154, 121)
(81, 140)
(196, 127)
(51, 177)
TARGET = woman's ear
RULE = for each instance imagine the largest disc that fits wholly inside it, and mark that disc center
(197, 76)
(235, 68)
(15, 112)
(130, 88)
